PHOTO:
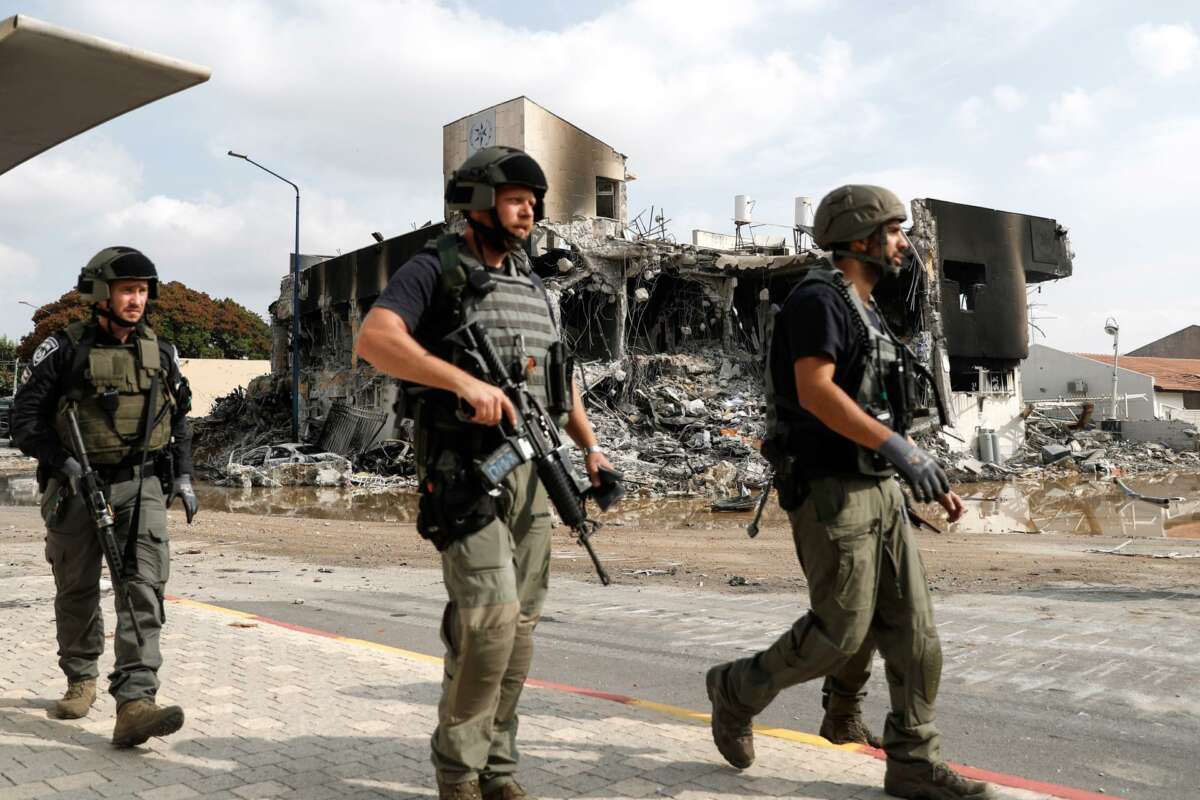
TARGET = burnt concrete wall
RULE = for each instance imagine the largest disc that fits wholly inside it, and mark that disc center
(1181, 344)
(985, 258)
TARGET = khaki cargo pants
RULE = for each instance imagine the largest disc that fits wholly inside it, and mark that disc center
(73, 551)
(496, 579)
(866, 581)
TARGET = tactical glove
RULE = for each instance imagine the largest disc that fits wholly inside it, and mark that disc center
(182, 488)
(927, 479)
(71, 469)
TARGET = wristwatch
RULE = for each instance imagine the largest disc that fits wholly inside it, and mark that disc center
(595, 448)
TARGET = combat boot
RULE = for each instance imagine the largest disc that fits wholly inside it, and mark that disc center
(932, 782)
(507, 791)
(77, 701)
(467, 790)
(733, 737)
(848, 729)
(138, 720)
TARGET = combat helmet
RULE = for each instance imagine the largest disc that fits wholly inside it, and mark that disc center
(472, 187)
(115, 264)
(853, 212)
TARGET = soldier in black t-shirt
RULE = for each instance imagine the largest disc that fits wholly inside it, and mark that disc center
(834, 440)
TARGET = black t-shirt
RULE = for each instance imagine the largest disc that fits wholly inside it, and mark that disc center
(410, 291)
(815, 320)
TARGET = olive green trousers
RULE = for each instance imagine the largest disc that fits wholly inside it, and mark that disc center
(866, 582)
(496, 580)
(75, 557)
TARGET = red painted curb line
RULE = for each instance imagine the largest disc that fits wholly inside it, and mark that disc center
(1001, 778)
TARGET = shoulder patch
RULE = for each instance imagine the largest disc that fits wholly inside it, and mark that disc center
(44, 349)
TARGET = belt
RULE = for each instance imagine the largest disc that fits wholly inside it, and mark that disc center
(119, 474)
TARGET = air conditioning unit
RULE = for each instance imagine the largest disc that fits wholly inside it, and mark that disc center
(1077, 387)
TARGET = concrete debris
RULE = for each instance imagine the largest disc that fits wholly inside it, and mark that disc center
(1158, 501)
(1053, 453)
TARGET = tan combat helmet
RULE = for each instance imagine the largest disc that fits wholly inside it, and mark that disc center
(853, 212)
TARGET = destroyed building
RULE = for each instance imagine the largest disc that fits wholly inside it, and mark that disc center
(627, 290)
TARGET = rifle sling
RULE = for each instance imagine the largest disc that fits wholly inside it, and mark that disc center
(148, 424)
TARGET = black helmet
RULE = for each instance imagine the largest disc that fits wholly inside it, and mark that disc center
(472, 187)
(115, 264)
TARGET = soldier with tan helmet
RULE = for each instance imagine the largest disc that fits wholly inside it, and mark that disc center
(124, 385)
(831, 439)
(494, 543)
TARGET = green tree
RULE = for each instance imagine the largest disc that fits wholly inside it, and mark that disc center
(8, 355)
(197, 325)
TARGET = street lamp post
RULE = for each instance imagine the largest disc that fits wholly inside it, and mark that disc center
(295, 300)
(1113, 329)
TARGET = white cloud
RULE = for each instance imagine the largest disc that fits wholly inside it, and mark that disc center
(969, 113)
(1008, 98)
(1078, 112)
(1165, 50)
(17, 269)
(1059, 161)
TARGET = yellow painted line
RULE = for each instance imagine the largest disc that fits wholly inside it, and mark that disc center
(411, 655)
(229, 612)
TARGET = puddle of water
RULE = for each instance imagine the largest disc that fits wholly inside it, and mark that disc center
(1081, 507)
(1087, 508)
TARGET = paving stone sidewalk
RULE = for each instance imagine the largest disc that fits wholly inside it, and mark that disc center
(274, 712)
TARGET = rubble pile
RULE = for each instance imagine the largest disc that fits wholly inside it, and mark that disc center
(260, 414)
(681, 423)
(1058, 447)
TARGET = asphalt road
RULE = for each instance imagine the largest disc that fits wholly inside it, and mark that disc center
(1088, 687)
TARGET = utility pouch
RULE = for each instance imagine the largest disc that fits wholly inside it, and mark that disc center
(453, 502)
(504, 459)
(558, 379)
(790, 493)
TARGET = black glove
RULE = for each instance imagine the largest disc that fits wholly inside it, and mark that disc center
(927, 479)
(71, 469)
(182, 488)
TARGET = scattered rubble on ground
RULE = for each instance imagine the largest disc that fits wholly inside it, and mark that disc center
(1058, 446)
(685, 423)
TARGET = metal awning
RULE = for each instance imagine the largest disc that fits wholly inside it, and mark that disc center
(56, 83)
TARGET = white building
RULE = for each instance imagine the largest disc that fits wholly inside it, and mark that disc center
(1153, 388)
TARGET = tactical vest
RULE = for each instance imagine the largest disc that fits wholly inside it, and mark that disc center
(111, 385)
(880, 351)
(515, 313)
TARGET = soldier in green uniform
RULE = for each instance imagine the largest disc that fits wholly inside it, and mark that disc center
(495, 546)
(131, 402)
(831, 439)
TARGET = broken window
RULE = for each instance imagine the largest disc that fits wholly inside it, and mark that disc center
(982, 379)
(606, 198)
(969, 276)
(1191, 401)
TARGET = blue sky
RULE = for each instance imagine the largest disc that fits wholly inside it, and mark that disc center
(1085, 112)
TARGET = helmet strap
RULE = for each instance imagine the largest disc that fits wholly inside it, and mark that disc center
(496, 236)
(113, 319)
(880, 261)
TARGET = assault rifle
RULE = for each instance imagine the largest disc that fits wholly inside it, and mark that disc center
(102, 519)
(535, 438)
